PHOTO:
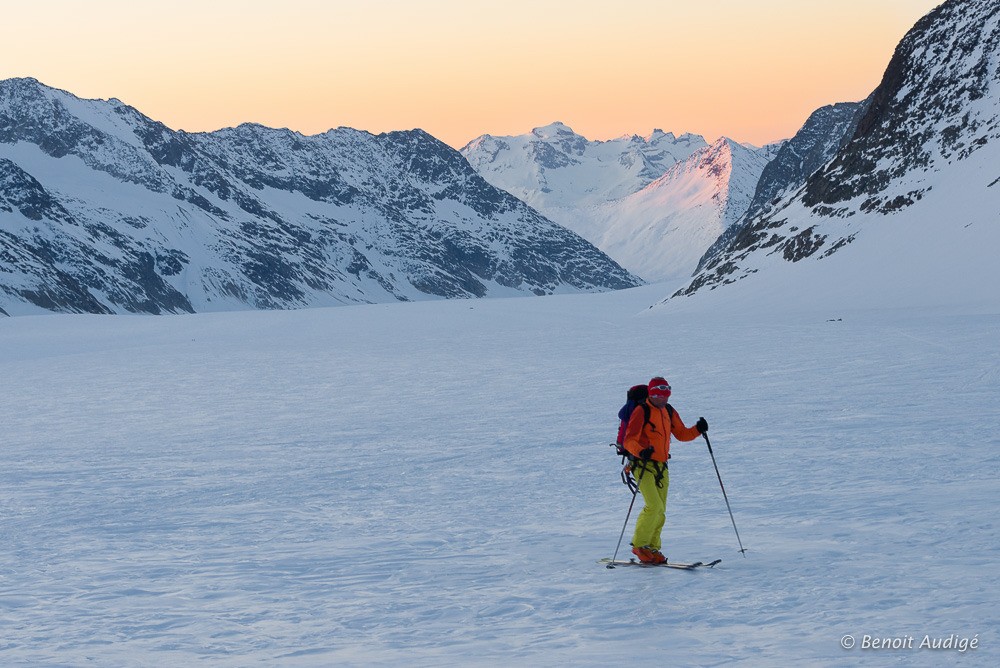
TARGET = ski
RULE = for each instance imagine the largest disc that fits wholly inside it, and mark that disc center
(669, 564)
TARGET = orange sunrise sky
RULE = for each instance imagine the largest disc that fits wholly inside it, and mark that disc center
(750, 70)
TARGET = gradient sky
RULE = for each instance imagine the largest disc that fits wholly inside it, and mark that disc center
(749, 69)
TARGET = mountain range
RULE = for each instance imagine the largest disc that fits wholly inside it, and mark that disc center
(553, 167)
(889, 200)
(105, 210)
(654, 204)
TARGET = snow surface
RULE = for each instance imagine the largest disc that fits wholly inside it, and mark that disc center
(430, 483)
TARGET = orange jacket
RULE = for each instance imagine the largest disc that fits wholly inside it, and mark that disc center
(639, 436)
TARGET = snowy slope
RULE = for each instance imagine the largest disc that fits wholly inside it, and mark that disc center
(105, 210)
(661, 231)
(905, 213)
(410, 484)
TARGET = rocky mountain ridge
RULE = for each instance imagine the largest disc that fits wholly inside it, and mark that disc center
(106, 210)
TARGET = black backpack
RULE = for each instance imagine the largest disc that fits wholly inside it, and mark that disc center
(635, 398)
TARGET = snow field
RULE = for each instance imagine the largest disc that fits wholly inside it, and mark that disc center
(431, 483)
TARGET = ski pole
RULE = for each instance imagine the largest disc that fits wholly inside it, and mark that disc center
(725, 496)
(634, 493)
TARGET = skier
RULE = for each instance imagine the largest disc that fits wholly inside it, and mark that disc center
(648, 441)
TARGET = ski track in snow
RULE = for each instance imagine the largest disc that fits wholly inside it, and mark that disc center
(431, 483)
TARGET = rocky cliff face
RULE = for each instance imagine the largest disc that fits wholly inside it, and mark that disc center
(930, 130)
(824, 133)
(105, 210)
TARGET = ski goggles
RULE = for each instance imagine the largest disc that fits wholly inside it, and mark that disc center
(661, 388)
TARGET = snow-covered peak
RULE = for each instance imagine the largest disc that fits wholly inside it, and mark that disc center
(720, 152)
(556, 130)
(689, 138)
(657, 135)
(716, 161)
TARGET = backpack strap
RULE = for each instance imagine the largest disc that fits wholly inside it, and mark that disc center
(646, 412)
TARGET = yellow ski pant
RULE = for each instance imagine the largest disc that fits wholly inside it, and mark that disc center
(649, 523)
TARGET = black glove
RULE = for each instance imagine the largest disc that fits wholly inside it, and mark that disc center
(701, 425)
(646, 453)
